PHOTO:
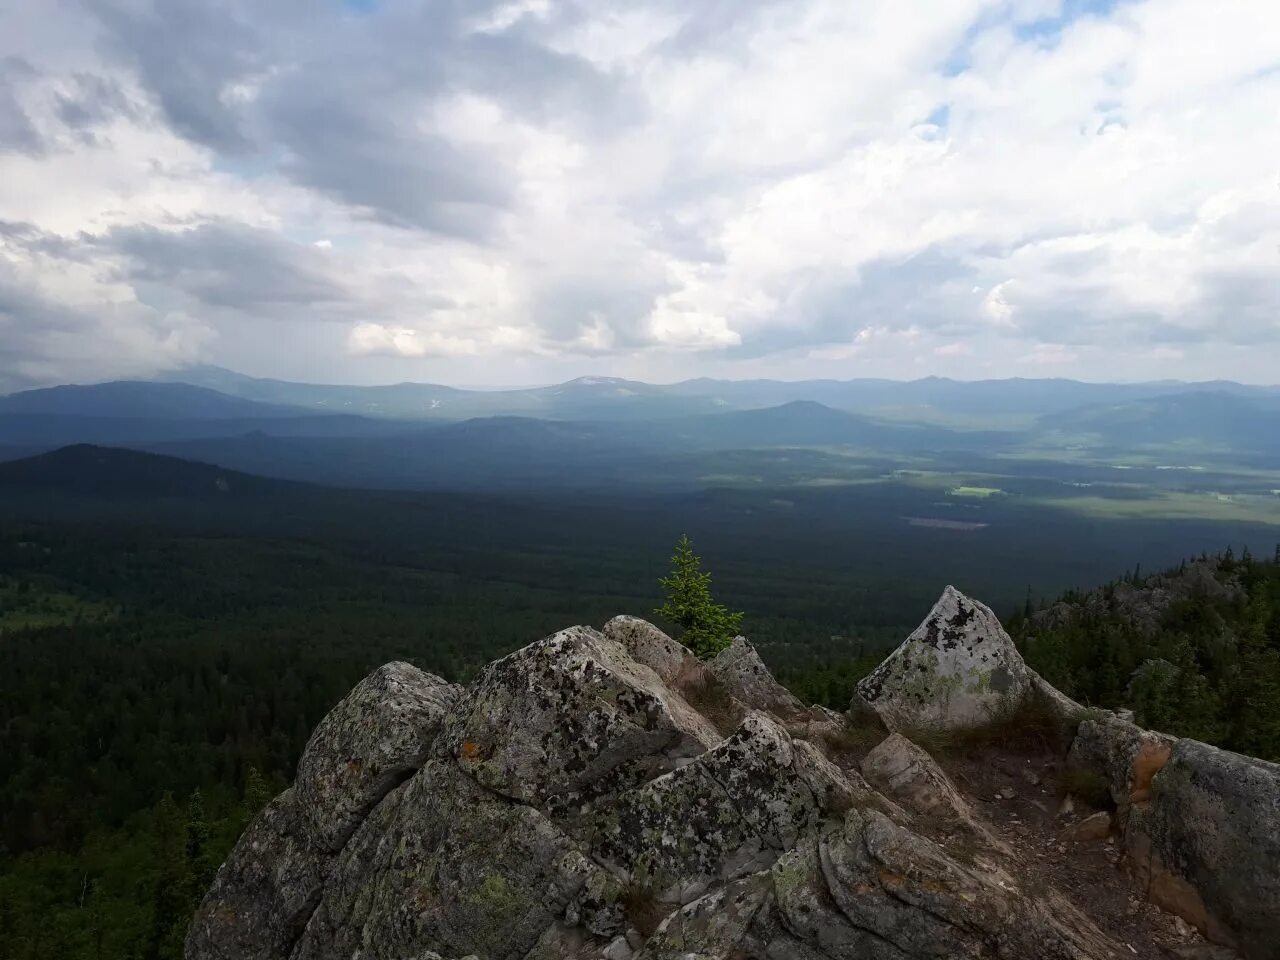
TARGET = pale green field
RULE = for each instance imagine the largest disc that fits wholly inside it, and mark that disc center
(39, 608)
(981, 492)
(1161, 505)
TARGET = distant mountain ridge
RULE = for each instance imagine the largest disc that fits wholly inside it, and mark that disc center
(613, 397)
(141, 399)
(604, 429)
(1215, 418)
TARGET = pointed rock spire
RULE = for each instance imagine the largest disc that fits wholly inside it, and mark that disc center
(958, 669)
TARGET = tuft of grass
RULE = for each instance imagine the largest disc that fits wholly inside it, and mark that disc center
(853, 741)
(935, 740)
(710, 698)
(642, 908)
(1032, 726)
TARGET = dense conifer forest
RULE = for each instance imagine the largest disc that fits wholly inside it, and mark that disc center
(1194, 651)
(163, 664)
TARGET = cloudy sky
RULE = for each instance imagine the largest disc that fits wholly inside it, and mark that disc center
(521, 192)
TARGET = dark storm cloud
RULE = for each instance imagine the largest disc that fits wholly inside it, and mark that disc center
(340, 102)
(227, 265)
(16, 129)
(187, 53)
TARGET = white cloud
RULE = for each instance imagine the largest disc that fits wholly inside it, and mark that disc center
(645, 189)
(997, 307)
(1049, 355)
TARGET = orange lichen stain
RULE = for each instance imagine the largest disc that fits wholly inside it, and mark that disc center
(889, 879)
(1150, 760)
(470, 749)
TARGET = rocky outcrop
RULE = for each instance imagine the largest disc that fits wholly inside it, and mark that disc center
(1146, 604)
(601, 794)
(958, 669)
(264, 894)
(1207, 845)
(375, 738)
(740, 671)
(1200, 826)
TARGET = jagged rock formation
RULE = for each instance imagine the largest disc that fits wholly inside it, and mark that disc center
(267, 890)
(604, 794)
(959, 669)
(1145, 605)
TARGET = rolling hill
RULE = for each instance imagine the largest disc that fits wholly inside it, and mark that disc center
(86, 470)
(1209, 420)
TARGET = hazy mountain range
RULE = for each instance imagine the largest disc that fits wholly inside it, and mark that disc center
(604, 430)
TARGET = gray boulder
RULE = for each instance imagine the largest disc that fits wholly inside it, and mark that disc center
(571, 718)
(718, 926)
(376, 737)
(959, 669)
(455, 868)
(729, 813)
(648, 645)
(740, 671)
(265, 892)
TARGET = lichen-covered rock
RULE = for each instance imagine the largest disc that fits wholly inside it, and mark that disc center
(376, 737)
(958, 669)
(821, 725)
(456, 869)
(741, 672)
(576, 794)
(729, 813)
(718, 926)
(569, 719)
(264, 893)
(872, 888)
(1206, 844)
(648, 645)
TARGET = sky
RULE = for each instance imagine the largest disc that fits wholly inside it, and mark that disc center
(523, 192)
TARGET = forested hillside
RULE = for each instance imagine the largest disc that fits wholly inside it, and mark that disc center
(1194, 651)
(170, 633)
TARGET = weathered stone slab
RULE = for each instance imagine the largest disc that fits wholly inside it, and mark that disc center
(1207, 845)
(571, 718)
(264, 894)
(375, 738)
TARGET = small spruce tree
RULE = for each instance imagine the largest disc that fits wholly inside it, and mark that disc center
(708, 627)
